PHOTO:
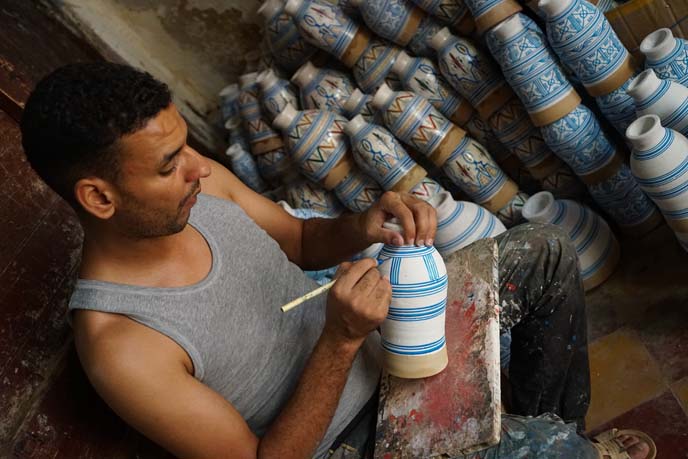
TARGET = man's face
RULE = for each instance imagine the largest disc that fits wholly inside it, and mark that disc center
(160, 178)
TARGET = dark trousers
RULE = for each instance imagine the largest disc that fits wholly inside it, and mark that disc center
(542, 303)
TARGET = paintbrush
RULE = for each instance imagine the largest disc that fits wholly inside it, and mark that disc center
(311, 294)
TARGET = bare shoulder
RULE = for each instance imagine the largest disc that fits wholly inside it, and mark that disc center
(103, 339)
(221, 182)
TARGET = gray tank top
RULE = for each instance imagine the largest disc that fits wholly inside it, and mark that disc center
(230, 324)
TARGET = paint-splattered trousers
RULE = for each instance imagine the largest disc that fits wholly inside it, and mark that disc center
(542, 304)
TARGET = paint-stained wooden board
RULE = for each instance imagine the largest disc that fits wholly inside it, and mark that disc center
(458, 410)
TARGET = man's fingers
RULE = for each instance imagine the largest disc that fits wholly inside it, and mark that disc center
(343, 267)
(354, 273)
(392, 203)
(425, 219)
(366, 284)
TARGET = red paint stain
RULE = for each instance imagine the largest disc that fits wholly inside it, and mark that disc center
(417, 416)
(387, 456)
(511, 287)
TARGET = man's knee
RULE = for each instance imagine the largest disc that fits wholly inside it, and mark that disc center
(537, 241)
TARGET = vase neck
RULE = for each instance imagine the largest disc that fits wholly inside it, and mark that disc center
(645, 132)
(540, 208)
(644, 85)
(552, 8)
(658, 44)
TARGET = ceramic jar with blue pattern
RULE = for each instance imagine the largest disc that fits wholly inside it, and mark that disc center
(317, 144)
(421, 75)
(666, 55)
(236, 132)
(413, 340)
(276, 93)
(532, 70)
(308, 195)
(287, 46)
(375, 64)
(472, 168)
(379, 154)
(414, 121)
(597, 248)
(460, 223)
(261, 137)
(471, 72)
(489, 13)
(664, 98)
(426, 189)
(659, 161)
(420, 43)
(357, 191)
(275, 167)
(579, 140)
(244, 166)
(323, 88)
(618, 107)
(583, 38)
(327, 27)
(452, 13)
(359, 103)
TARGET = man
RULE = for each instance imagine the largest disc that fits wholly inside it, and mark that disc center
(176, 312)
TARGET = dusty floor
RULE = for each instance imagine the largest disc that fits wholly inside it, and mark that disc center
(638, 323)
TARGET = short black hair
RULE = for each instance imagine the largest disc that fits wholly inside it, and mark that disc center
(75, 116)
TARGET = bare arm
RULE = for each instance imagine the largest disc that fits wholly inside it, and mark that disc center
(320, 242)
(138, 373)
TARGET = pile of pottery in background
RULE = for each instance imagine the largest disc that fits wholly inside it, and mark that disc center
(446, 99)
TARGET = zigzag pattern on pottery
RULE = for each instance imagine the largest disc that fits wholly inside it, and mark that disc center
(468, 70)
(415, 121)
(563, 183)
(447, 11)
(317, 142)
(256, 127)
(286, 43)
(511, 214)
(273, 165)
(375, 65)
(513, 129)
(426, 189)
(582, 36)
(326, 26)
(307, 195)
(474, 171)
(357, 191)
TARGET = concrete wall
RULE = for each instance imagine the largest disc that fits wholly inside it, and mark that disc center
(195, 46)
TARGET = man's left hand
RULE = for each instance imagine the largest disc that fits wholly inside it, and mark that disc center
(416, 217)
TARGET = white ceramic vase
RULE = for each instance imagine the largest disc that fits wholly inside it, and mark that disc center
(323, 88)
(413, 339)
(597, 248)
(659, 162)
(664, 98)
(276, 93)
(460, 223)
(666, 55)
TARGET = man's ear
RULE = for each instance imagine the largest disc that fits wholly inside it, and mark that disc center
(96, 196)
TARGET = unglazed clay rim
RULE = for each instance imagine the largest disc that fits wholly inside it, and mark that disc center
(638, 80)
(642, 126)
(353, 100)
(354, 125)
(401, 63)
(440, 38)
(552, 7)
(508, 28)
(292, 6)
(385, 92)
(285, 117)
(247, 79)
(234, 150)
(308, 69)
(536, 206)
(230, 89)
(656, 39)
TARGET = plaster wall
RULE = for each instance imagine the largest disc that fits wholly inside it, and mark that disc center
(195, 46)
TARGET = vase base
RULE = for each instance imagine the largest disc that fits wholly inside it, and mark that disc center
(556, 111)
(338, 172)
(267, 145)
(495, 100)
(614, 81)
(357, 47)
(447, 146)
(496, 15)
(413, 367)
(411, 179)
(502, 197)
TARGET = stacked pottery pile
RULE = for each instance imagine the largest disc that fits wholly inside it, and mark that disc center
(414, 121)
(380, 155)
(304, 194)
(667, 99)
(597, 248)
(323, 88)
(413, 340)
(275, 94)
(245, 168)
(569, 128)
(265, 143)
(318, 146)
(666, 55)
(659, 161)
(475, 77)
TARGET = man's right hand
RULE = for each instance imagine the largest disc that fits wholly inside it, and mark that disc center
(358, 302)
